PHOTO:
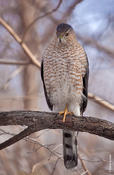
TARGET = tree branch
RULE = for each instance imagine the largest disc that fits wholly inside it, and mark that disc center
(40, 17)
(101, 101)
(19, 40)
(13, 62)
(16, 138)
(97, 45)
(84, 166)
(37, 121)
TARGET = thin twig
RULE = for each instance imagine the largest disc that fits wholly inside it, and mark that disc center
(43, 162)
(54, 153)
(84, 166)
(29, 139)
(40, 17)
(23, 45)
(55, 166)
(12, 75)
(96, 44)
(16, 138)
(101, 101)
(11, 62)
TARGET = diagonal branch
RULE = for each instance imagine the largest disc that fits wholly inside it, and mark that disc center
(19, 40)
(84, 166)
(16, 138)
(97, 45)
(40, 17)
(101, 101)
(12, 75)
(37, 121)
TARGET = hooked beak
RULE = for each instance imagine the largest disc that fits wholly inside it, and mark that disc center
(60, 37)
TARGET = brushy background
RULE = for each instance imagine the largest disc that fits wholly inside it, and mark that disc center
(21, 86)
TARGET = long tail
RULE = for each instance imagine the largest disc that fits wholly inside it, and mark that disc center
(70, 149)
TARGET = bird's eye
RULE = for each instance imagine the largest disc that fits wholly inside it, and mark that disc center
(66, 34)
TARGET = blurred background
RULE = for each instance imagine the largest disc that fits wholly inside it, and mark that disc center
(21, 86)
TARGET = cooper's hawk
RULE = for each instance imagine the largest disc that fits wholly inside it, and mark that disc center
(64, 74)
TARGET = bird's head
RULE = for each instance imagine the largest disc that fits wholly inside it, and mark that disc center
(64, 33)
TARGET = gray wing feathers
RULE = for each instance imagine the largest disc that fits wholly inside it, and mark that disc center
(85, 89)
(46, 95)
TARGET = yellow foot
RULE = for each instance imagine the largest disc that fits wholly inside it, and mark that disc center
(61, 112)
(65, 112)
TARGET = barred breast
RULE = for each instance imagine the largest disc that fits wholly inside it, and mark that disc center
(64, 67)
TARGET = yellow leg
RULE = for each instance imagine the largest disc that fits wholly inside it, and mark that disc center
(61, 112)
(65, 112)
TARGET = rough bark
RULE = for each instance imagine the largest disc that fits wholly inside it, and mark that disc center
(36, 121)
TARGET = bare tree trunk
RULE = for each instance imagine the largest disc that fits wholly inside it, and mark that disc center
(31, 73)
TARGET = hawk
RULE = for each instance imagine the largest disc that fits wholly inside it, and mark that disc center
(64, 72)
